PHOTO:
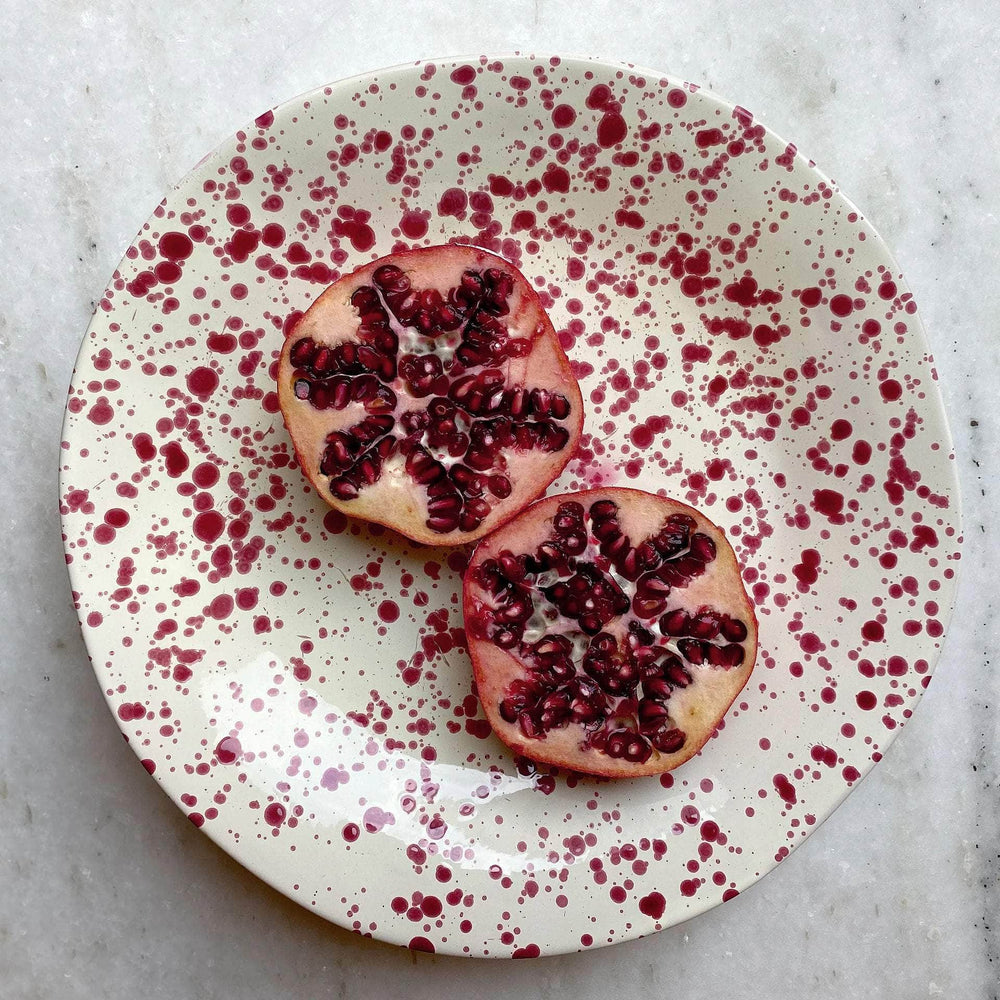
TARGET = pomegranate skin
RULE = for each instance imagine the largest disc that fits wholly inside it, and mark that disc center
(654, 668)
(459, 426)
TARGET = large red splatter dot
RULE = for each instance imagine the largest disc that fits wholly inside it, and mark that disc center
(202, 381)
(388, 611)
(208, 525)
(176, 246)
(611, 130)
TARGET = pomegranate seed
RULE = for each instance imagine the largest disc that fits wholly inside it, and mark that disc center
(499, 486)
(506, 638)
(735, 655)
(656, 687)
(674, 622)
(302, 352)
(607, 529)
(669, 741)
(733, 629)
(703, 626)
(702, 547)
(450, 503)
(560, 407)
(341, 392)
(603, 509)
(477, 507)
(638, 749)
(528, 726)
(676, 673)
(342, 489)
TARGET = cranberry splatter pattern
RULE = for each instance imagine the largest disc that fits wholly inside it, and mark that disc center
(299, 683)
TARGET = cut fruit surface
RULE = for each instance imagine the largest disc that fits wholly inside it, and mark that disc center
(427, 391)
(609, 631)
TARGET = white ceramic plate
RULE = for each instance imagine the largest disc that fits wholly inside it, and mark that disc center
(298, 683)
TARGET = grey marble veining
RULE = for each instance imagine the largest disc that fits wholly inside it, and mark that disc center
(105, 889)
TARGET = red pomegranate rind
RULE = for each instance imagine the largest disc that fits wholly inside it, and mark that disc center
(609, 631)
(427, 391)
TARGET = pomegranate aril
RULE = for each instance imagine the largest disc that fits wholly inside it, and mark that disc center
(693, 650)
(679, 572)
(480, 459)
(652, 585)
(369, 466)
(344, 357)
(552, 645)
(462, 387)
(606, 530)
(529, 727)
(702, 547)
(361, 388)
(302, 352)
(469, 482)
(339, 453)
(569, 517)
(550, 437)
(733, 629)
(323, 361)
(734, 655)
(423, 467)
(615, 743)
(415, 421)
(499, 486)
(477, 507)
(638, 749)
(674, 622)
(673, 537)
(365, 299)
(499, 285)
(383, 400)
(507, 638)
(652, 712)
(449, 503)
(560, 407)
(391, 279)
(676, 673)
(656, 688)
(616, 548)
(541, 402)
(343, 489)
(600, 510)
(384, 367)
(669, 741)
(301, 388)
(554, 710)
(511, 708)
(560, 669)
(518, 403)
(703, 626)
(372, 427)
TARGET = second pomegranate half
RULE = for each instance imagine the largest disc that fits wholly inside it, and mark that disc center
(427, 391)
(609, 631)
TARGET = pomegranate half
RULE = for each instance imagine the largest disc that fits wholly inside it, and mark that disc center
(428, 391)
(609, 631)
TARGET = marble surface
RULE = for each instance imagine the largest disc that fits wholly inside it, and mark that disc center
(107, 890)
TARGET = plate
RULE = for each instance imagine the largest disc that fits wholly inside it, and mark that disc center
(298, 683)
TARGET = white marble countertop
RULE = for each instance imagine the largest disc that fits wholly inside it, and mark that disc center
(107, 890)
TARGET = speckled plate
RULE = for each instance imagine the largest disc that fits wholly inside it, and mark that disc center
(298, 684)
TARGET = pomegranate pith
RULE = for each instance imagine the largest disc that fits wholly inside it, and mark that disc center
(427, 391)
(609, 631)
